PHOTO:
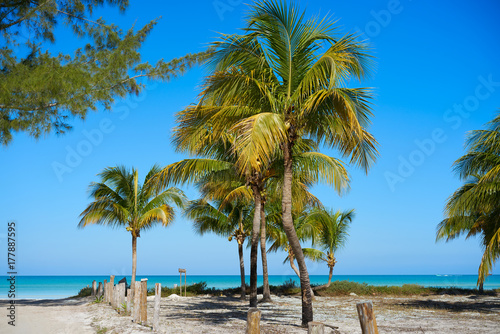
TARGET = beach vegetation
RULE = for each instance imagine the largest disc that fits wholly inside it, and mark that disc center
(224, 192)
(285, 79)
(43, 90)
(120, 201)
(195, 289)
(98, 300)
(123, 308)
(101, 330)
(332, 232)
(231, 220)
(84, 292)
(345, 288)
(288, 287)
(473, 209)
(305, 229)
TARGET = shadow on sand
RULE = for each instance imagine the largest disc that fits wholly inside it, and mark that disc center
(476, 304)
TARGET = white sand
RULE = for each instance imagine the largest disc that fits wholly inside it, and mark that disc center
(431, 314)
(58, 316)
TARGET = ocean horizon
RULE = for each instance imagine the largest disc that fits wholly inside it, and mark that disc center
(53, 287)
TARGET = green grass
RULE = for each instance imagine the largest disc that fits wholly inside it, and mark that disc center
(337, 288)
(85, 292)
(191, 290)
(101, 330)
(343, 288)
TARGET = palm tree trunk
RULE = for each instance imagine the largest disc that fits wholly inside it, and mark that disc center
(307, 310)
(294, 267)
(266, 294)
(254, 246)
(481, 287)
(242, 270)
(329, 278)
(134, 267)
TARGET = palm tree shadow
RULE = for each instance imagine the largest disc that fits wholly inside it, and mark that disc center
(222, 310)
(485, 306)
(218, 311)
(48, 302)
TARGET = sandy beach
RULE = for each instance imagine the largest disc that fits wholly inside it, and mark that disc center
(208, 314)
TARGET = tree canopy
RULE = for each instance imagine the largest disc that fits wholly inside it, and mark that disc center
(473, 209)
(41, 91)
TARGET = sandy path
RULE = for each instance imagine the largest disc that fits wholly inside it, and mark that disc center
(58, 316)
(227, 315)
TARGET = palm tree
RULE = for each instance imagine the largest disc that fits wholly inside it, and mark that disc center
(283, 80)
(120, 201)
(216, 163)
(305, 228)
(232, 222)
(195, 134)
(473, 209)
(332, 235)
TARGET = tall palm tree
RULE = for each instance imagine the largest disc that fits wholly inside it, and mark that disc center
(120, 201)
(232, 222)
(216, 162)
(195, 134)
(332, 235)
(285, 79)
(474, 209)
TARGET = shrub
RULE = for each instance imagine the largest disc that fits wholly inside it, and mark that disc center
(85, 292)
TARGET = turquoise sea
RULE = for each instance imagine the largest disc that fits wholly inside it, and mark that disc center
(51, 287)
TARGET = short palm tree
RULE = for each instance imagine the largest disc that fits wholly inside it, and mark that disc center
(474, 208)
(232, 221)
(121, 202)
(305, 228)
(332, 227)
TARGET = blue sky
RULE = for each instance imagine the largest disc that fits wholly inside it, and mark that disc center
(437, 78)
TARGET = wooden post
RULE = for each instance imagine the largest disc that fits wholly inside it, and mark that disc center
(94, 289)
(137, 302)
(121, 298)
(182, 271)
(99, 290)
(253, 321)
(110, 292)
(105, 290)
(367, 318)
(114, 296)
(144, 301)
(129, 301)
(314, 327)
(156, 314)
(112, 282)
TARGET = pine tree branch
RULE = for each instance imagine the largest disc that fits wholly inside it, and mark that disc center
(26, 16)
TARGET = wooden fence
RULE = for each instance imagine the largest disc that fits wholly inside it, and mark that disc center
(119, 297)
